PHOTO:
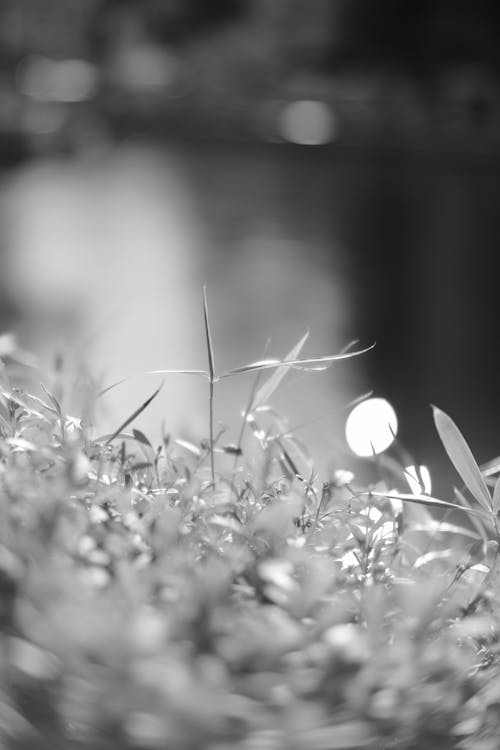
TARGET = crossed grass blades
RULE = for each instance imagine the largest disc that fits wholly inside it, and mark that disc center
(142, 607)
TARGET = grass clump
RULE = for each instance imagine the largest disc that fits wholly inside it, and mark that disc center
(151, 601)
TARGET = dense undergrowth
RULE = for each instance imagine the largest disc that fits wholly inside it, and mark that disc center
(143, 605)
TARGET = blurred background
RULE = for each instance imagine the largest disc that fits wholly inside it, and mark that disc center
(322, 164)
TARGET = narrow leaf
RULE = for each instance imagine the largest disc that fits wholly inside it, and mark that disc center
(41, 403)
(476, 522)
(134, 414)
(210, 349)
(430, 557)
(20, 402)
(145, 445)
(476, 553)
(267, 364)
(491, 467)
(203, 373)
(292, 430)
(426, 500)
(189, 447)
(461, 457)
(496, 496)
(112, 436)
(269, 387)
(140, 437)
(110, 387)
(53, 400)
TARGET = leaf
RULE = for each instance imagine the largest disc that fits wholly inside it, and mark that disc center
(141, 438)
(461, 457)
(134, 414)
(476, 522)
(477, 552)
(53, 400)
(429, 557)
(203, 373)
(15, 399)
(268, 388)
(496, 496)
(41, 403)
(267, 364)
(189, 447)
(110, 387)
(210, 349)
(292, 430)
(491, 467)
(426, 500)
(112, 436)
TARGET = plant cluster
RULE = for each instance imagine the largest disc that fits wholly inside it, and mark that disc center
(151, 601)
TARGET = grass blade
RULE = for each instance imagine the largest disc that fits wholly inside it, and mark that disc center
(112, 436)
(292, 430)
(461, 457)
(427, 500)
(478, 524)
(272, 383)
(53, 400)
(203, 373)
(490, 468)
(140, 437)
(39, 401)
(496, 496)
(210, 349)
(134, 414)
(108, 388)
(267, 364)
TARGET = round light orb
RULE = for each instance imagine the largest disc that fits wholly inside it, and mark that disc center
(371, 427)
(308, 123)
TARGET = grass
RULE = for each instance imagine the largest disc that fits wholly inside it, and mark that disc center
(152, 599)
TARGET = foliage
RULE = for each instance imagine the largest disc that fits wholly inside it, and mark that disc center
(146, 603)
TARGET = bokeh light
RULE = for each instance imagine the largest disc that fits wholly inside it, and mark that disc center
(307, 123)
(46, 80)
(371, 427)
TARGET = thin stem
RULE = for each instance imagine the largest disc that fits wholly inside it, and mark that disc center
(211, 429)
(212, 380)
